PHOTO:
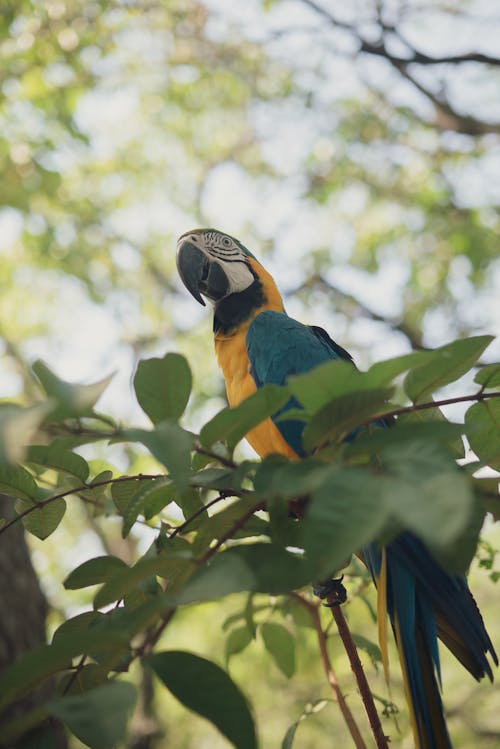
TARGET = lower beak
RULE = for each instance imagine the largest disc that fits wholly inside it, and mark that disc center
(200, 274)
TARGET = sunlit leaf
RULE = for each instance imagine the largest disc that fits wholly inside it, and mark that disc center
(488, 376)
(280, 644)
(484, 439)
(163, 386)
(447, 364)
(237, 640)
(17, 482)
(18, 426)
(57, 456)
(232, 424)
(72, 400)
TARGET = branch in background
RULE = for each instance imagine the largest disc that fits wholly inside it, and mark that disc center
(318, 281)
(448, 118)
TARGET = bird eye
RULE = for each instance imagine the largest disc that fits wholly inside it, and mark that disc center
(226, 242)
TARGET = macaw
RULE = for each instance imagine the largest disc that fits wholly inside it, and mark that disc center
(257, 343)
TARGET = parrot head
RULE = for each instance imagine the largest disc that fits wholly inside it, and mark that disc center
(213, 265)
(217, 266)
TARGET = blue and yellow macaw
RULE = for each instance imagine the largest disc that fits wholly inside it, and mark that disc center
(257, 343)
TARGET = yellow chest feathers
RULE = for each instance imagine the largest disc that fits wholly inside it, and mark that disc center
(231, 351)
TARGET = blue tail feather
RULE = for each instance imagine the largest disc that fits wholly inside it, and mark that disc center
(425, 602)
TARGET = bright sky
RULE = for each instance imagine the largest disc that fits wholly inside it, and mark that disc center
(233, 201)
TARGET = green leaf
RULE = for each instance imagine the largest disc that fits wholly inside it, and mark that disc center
(44, 520)
(46, 660)
(278, 476)
(232, 424)
(346, 513)
(485, 439)
(159, 498)
(18, 426)
(370, 648)
(487, 489)
(206, 689)
(339, 378)
(135, 506)
(93, 572)
(72, 400)
(17, 482)
(280, 644)
(340, 416)
(383, 372)
(163, 386)
(310, 709)
(88, 677)
(215, 526)
(123, 491)
(57, 456)
(259, 567)
(430, 431)
(489, 376)
(237, 640)
(435, 416)
(428, 494)
(170, 445)
(326, 382)
(76, 625)
(448, 363)
(98, 717)
(168, 564)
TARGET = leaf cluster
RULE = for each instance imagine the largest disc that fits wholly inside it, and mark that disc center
(267, 527)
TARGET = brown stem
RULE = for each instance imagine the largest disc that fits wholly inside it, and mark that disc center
(234, 529)
(480, 396)
(196, 514)
(330, 675)
(381, 739)
(76, 490)
(219, 458)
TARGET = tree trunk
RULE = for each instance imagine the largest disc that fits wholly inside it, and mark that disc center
(22, 626)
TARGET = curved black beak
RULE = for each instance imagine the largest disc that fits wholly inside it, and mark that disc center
(201, 274)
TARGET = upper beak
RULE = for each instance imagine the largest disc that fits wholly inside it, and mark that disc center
(200, 273)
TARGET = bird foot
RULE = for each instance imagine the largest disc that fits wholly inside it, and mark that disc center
(332, 590)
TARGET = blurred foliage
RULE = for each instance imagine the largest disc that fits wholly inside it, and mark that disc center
(122, 124)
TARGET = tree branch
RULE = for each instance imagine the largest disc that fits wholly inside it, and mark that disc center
(381, 739)
(319, 281)
(448, 117)
(330, 675)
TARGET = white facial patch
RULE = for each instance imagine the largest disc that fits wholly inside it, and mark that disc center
(238, 274)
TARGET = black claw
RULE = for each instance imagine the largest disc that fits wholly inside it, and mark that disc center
(331, 589)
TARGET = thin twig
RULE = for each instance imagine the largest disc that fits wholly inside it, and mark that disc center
(76, 490)
(219, 458)
(196, 514)
(480, 396)
(234, 528)
(330, 675)
(381, 739)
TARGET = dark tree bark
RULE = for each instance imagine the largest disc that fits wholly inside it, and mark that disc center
(22, 627)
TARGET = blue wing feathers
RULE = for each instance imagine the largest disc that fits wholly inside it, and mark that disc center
(278, 347)
(423, 600)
